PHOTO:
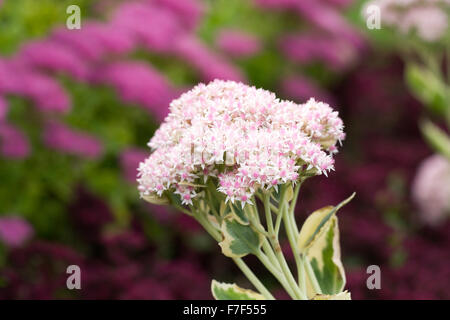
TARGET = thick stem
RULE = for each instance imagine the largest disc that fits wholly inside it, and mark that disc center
(295, 250)
(274, 240)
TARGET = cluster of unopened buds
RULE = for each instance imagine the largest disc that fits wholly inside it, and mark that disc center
(227, 150)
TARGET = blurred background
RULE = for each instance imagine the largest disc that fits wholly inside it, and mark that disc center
(77, 108)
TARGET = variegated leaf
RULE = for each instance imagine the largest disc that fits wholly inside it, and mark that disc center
(345, 295)
(238, 239)
(226, 291)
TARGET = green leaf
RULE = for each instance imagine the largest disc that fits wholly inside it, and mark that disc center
(155, 199)
(325, 257)
(238, 240)
(438, 139)
(239, 213)
(319, 242)
(226, 291)
(344, 295)
(427, 88)
(317, 223)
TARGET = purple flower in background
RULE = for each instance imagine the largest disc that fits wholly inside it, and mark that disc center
(54, 57)
(58, 136)
(238, 44)
(188, 11)
(46, 93)
(89, 48)
(209, 64)
(129, 160)
(301, 89)
(3, 108)
(13, 143)
(95, 40)
(154, 27)
(330, 20)
(431, 189)
(307, 48)
(14, 231)
(42, 90)
(139, 83)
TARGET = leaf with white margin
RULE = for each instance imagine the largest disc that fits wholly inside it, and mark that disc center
(239, 213)
(238, 240)
(228, 291)
(316, 224)
(345, 295)
(319, 242)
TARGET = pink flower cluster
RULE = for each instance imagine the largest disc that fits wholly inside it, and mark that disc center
(244, 136)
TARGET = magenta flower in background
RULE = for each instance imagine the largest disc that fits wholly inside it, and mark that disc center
(209, 64)
(95, 40)
(300, 89)
(188, 11)
(90, 49)
(49, 55)
(14, 231)
(13, 143)
(129, 161)
(3, 108)
(308, 48)
(238, 44)
(431, 189)
(139, 83)
(154, 27)
(60, 137)
(45, 92)
(330, 20)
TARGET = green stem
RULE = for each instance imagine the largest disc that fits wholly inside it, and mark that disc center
(253, 279)
(312, 276)
(295, 250)
(274, 240)
(280, 276)
(239, 262)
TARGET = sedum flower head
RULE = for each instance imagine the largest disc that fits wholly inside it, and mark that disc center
(241, 138)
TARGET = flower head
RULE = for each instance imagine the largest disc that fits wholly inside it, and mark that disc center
(242, 137)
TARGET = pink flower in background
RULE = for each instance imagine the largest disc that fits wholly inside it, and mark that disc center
(62, 138)
(188, 11)
(129, 160)
(88, 48)
(13, 143)
(54, 57)
(339, 3)
(307, 48)
(154, 27)
(209, 64)
(431, 189)
(3, 108)
(301, 89)
(238, 44)
(45, 92)
(139, 83)
(330, 20)
(95, 40)
(14, 231)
